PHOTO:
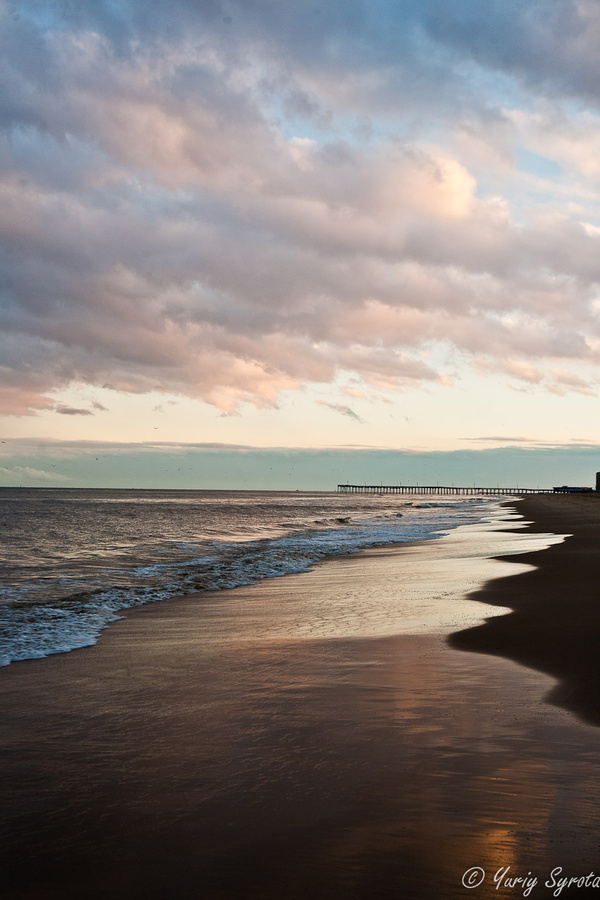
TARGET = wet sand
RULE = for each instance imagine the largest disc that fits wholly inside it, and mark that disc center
(217, 747)
(555, 623)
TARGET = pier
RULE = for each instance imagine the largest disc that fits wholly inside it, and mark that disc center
(438, 490)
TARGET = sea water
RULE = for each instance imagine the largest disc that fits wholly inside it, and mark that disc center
(72, 560)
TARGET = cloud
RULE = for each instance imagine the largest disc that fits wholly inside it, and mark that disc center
(344, 410)
(16, 474)
(65, 449)
(230, 201)
(550, 43)
(72, 411)
(556, 381)
(503, 439)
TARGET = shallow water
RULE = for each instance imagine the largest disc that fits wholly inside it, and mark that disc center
(72, 560)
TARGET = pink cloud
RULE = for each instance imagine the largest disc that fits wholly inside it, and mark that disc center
(164, 230)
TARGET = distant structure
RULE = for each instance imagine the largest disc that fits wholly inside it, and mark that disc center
(566, 489)
(382, 489)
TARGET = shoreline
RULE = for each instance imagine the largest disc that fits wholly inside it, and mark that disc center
(410, 547)
(193, 755)
(56, 605)
(554, 625)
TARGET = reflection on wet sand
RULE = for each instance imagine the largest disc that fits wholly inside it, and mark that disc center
(193, 755)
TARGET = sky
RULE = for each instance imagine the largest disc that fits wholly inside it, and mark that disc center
(363, 236)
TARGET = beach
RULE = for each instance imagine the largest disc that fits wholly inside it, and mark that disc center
(203, 750)
(555, 624)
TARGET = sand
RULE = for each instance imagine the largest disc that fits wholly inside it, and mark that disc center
(204, 750)
(555, 626)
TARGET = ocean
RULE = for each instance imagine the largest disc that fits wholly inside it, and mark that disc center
(73, 560)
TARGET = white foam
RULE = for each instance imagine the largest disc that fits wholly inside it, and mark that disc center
(33, 630)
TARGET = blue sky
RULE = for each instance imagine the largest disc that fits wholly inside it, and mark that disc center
(298, 226)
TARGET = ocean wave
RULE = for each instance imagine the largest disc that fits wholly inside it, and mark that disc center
(443, 504)
(30, 629)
